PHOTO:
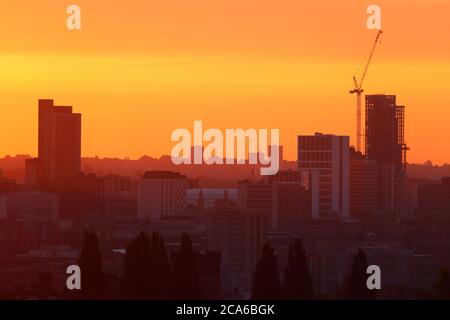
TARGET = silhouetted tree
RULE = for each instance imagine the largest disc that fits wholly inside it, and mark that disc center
(160, 267)
(297, 279)
(443, 285)
(266, 283)
(137, 272)
(90, 261)
(186, 283)
(356, 281)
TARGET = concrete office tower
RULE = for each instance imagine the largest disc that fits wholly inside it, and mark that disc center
(291, 202)
(161, 196)
(59, 141)
(257, 196)
(433, 200)
(385, 143)
(290, 207)
(326, 158)
(363, 186)
(283, 201)
(238, 234)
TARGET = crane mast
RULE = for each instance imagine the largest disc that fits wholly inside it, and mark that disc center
(359, 90)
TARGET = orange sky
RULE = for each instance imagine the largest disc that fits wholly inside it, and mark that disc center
(139, 69)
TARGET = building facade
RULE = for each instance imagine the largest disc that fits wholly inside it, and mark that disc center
(161, 196)
(433, 200)
(385, 143)
(238, 234)
(59, 141)
(326, 158)
(363, 186)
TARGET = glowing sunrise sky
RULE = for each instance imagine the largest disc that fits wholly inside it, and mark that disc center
(139, 69)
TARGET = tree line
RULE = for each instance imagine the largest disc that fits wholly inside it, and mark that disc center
(149, 274)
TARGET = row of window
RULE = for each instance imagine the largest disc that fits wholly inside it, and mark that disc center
(314, 156)
(314, 143)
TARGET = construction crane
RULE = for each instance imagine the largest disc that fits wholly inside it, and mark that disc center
(359, 90)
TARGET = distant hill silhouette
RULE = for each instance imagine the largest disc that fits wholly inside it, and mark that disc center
(220, 175)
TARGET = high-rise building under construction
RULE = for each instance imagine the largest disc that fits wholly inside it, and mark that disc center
(385, 143)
